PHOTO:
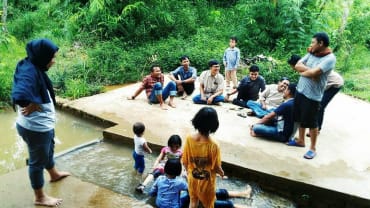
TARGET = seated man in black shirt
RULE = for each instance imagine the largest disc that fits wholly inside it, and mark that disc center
(248, 88)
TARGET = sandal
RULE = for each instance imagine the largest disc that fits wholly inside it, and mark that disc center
(310, 154)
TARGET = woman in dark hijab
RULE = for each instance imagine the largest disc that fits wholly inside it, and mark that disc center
(34, 99)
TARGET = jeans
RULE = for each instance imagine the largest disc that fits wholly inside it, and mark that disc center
(198, 99)
(222, 196)
(169, 90)
(256, 107)
(41, 153)
(269, 132)
(328, 95)
(240, 102)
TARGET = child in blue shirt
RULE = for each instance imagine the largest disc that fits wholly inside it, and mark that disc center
(167, 187)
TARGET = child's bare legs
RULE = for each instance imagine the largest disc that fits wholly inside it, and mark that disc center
(241, 194)
(41, 199)
(148, 179)
(227, 77)
(234, 78)
(56, 175)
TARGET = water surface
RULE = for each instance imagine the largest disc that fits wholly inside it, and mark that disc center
(70, 131)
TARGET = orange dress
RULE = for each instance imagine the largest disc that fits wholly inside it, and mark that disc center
(201, 160)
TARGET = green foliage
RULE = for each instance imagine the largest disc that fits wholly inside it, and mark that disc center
(105, 42)
(11, 53)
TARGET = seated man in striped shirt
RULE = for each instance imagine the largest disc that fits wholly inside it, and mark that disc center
(153, 86)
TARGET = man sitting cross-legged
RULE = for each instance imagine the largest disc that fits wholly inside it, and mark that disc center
(211, 85)
(279, 124)
(153, 86)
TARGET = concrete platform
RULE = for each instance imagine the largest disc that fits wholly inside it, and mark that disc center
(338, 177)
(15, 192)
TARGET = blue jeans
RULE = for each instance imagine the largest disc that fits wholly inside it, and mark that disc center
(41, 154)
(326, 98)
(169, 90)
(269, 132)
(222, 196)
(256, 107)
(198, 99)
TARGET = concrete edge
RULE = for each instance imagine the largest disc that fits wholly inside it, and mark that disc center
(303, 194)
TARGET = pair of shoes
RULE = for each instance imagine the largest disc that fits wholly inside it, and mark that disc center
(251, 113)
(292, 142)
(140, 188)
(310, 154)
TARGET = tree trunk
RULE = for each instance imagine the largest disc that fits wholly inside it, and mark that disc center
(3, 17)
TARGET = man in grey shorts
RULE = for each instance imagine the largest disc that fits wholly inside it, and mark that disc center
(314, 69)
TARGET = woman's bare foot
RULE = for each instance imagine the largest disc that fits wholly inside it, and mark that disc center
(59, 176)
(48, 201)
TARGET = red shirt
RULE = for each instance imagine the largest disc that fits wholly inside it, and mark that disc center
(149, 81)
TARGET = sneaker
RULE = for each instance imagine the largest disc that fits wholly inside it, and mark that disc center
(140, 188)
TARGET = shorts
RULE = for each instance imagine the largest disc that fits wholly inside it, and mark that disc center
(139, 162)
(306, 111)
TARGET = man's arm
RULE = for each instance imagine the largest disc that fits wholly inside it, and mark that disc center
(267, 118)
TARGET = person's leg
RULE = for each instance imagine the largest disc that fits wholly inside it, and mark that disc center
(256, 107)
(240, 103)
(241, 194)
(169, 90)
(313, 135)
(218, 99)
(234, 78)
(327, 97)
(38, 144)
(298, 114)
(265, 131)
(227, 77)
(189, 88)
(156, 95)
(198, 100)
(54, 174)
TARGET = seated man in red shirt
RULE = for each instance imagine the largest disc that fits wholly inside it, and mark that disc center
(153, 86)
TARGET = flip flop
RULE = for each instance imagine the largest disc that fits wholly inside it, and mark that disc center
(294, 143)
(310, 154)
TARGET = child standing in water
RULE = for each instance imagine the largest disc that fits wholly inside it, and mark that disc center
(202, 159)
(172, 150)
(167, 187)
(141, 147)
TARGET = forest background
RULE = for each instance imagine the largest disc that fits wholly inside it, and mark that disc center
(113, 42)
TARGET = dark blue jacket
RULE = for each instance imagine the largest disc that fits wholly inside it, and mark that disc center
(31, 83)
